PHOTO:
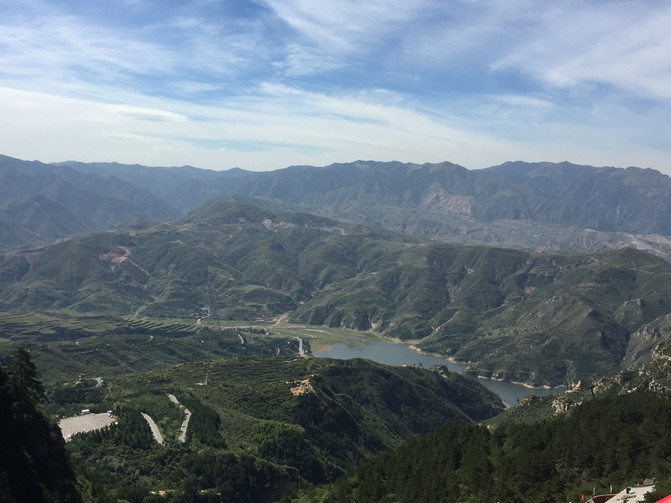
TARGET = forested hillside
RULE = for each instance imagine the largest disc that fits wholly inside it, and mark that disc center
(651, 374)
(536, 318)
(264, 420)
(260, 426)
(34, 465)
(606, 443)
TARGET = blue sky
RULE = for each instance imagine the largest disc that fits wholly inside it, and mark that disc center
(266, 84)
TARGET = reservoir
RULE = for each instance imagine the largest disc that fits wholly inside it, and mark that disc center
(401, 354)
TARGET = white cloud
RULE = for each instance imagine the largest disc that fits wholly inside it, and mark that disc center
(278, 126)
(473, 82)
(343, 24)
(192, 87)
(49, 45)
(336, 34)
(624, 45)
(62, 52)
(517, 100)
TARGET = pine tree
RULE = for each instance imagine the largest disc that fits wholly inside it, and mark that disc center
(34, 464)
(23, 379)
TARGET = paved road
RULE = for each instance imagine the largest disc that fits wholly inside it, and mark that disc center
(185, 423)
(154, 429)
(80, 424)
(185, 426)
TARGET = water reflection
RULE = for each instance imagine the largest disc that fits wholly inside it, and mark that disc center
(401, 354)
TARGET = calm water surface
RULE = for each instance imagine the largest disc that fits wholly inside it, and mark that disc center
(401, 354)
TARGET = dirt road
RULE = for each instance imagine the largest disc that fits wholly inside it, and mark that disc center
(301, 351)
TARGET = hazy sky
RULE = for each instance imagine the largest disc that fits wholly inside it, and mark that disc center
(270, 83)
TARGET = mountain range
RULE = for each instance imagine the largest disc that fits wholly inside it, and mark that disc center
(531, 206)
(40, 202)
(364, 245)
(544, 319)
(134, 273)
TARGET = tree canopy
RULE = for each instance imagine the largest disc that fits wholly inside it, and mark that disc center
(34, 465)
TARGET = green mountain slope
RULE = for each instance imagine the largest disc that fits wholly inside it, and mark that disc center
(541, 319)
(263, 426)
(614, 442)
(579, 309)
(262, 420)
(652, 374)
(603, 434)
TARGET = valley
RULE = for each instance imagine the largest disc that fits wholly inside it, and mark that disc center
(244, 410)
(398, 353)
(278, 321)
(537, 319)
(291, 251)
(110, 351)
(287, 422)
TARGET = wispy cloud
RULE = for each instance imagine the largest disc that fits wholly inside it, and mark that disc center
(343, 33)
(269, 83)
(623, 45)
(274, 127)
(64, 44)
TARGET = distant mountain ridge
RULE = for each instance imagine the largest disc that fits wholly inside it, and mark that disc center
(39, 203)
(533, 206)
(610, 199)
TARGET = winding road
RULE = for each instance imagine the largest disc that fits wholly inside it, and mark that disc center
(154, 428)
(185, 423)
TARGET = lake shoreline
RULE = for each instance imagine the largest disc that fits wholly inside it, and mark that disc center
(400, 353)
(453, 360)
